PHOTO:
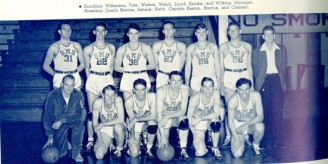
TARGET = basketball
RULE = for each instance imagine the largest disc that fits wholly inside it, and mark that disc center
(166, 153)
(50, 154)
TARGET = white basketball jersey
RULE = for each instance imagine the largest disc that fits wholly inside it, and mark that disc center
(172, 105)
(100, 59)
(245, 113)
(204, 109)
(109, 115)
(236, 57)
(134, 60)
(203, 62)
(139, 112)
(169, 58)
(66, 58)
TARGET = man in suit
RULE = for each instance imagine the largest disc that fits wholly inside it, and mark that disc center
(269, 62)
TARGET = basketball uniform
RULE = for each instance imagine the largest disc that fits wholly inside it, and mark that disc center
(204, 110)
(172, 106)
(168, 60)
(100, 75)
(140, 112)
(65, 62)
(135, 66)
(243, 114)
(235, 63)
(108, 116)
(202, 66)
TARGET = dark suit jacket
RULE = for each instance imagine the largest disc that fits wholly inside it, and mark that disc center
(259, 64)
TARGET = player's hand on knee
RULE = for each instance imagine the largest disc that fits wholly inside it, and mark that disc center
(98, 127)
(195, 121)
(56, 125)
(130, 126)
(164, 121)
(163, 142)
(49, 142)
(242, 129)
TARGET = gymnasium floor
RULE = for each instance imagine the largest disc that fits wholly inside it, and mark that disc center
(303, 135)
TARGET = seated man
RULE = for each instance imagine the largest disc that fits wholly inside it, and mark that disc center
(245, 116)
(172, 100)
(141, 110)
(63, 110)
(205, 112)
(109, 109)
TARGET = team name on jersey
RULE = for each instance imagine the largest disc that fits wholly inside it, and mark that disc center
(207, 110)
(246, 114)
(173, 107)
(102, 58)
(68, 54)
(203, 57)
(109, 117)
(237, 56)
(169, 55)
(133, 58)
(141, 112)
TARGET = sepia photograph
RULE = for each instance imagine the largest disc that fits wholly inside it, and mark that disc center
(181, 88)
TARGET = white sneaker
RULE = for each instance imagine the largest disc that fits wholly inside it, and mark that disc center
(217, 153)
(184, 154)
(257, 150)
(79, 158)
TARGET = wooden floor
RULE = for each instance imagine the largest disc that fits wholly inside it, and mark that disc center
(304, 135)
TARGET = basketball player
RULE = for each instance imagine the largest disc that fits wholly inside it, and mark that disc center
(202, 60)
(170, 54)
(141, 110)
(63, 111)
(269, 65)
(109, 109)
(172, 100)
(134, 56)
(66, 55)
(235, 63)
(99, 64)
(206, 112)
(245, 116)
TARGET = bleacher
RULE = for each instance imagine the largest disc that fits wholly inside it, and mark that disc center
(24, 85)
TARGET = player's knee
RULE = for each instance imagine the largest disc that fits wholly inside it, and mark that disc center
(84, 114)
(184, 124)
(152, 129)
(237, 154)
(215, 126)
(259, 127)
(89, 116)
(119, 128)
(99, 153)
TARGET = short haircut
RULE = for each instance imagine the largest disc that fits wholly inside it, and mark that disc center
(242, 81)
(133, 26)
(167, 22)
(206, 79)
(175, 73)
(62, 23)
(68, 77)
(234, 23)
(139, 81)
(109, 87)
(268, 28)
(200, 26)
(102, 24)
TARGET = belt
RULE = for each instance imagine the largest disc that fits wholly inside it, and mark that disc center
(240, 120)
(270, 74)
(235, 70)
(66, 72)
(166, 73)
(135, 72)
(100, 73)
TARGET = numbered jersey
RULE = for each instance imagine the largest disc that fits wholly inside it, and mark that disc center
(109, 114)
(169, 58)
(139, 112)
(236, 57)
(172, 105)
(134, 60)
(204, 109)
(100, 59)
(66, 58)
(203, 62)
(245, 113)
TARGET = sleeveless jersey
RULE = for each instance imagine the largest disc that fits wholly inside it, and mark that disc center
(100, 59)
(236, 57)
(66, 58)
(169, 58)
(139, 112)
(204, 109)
(172, 105)
(245, 113)
(203, 62)
(107, 116)
(134, 60)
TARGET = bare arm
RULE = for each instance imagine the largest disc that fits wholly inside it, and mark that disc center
(182, 50)
(232, 105)
(215, 51)
(95, 112)
(150, 57)
(87, 51)
(193, 103)
(51, 53)
(79, 56)
(120, 113)
(112, 58)
(190, 50)
(249, 62)
(222, 50)
(258, 107)
(156, 49)
(159, 101)
(119, 59)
